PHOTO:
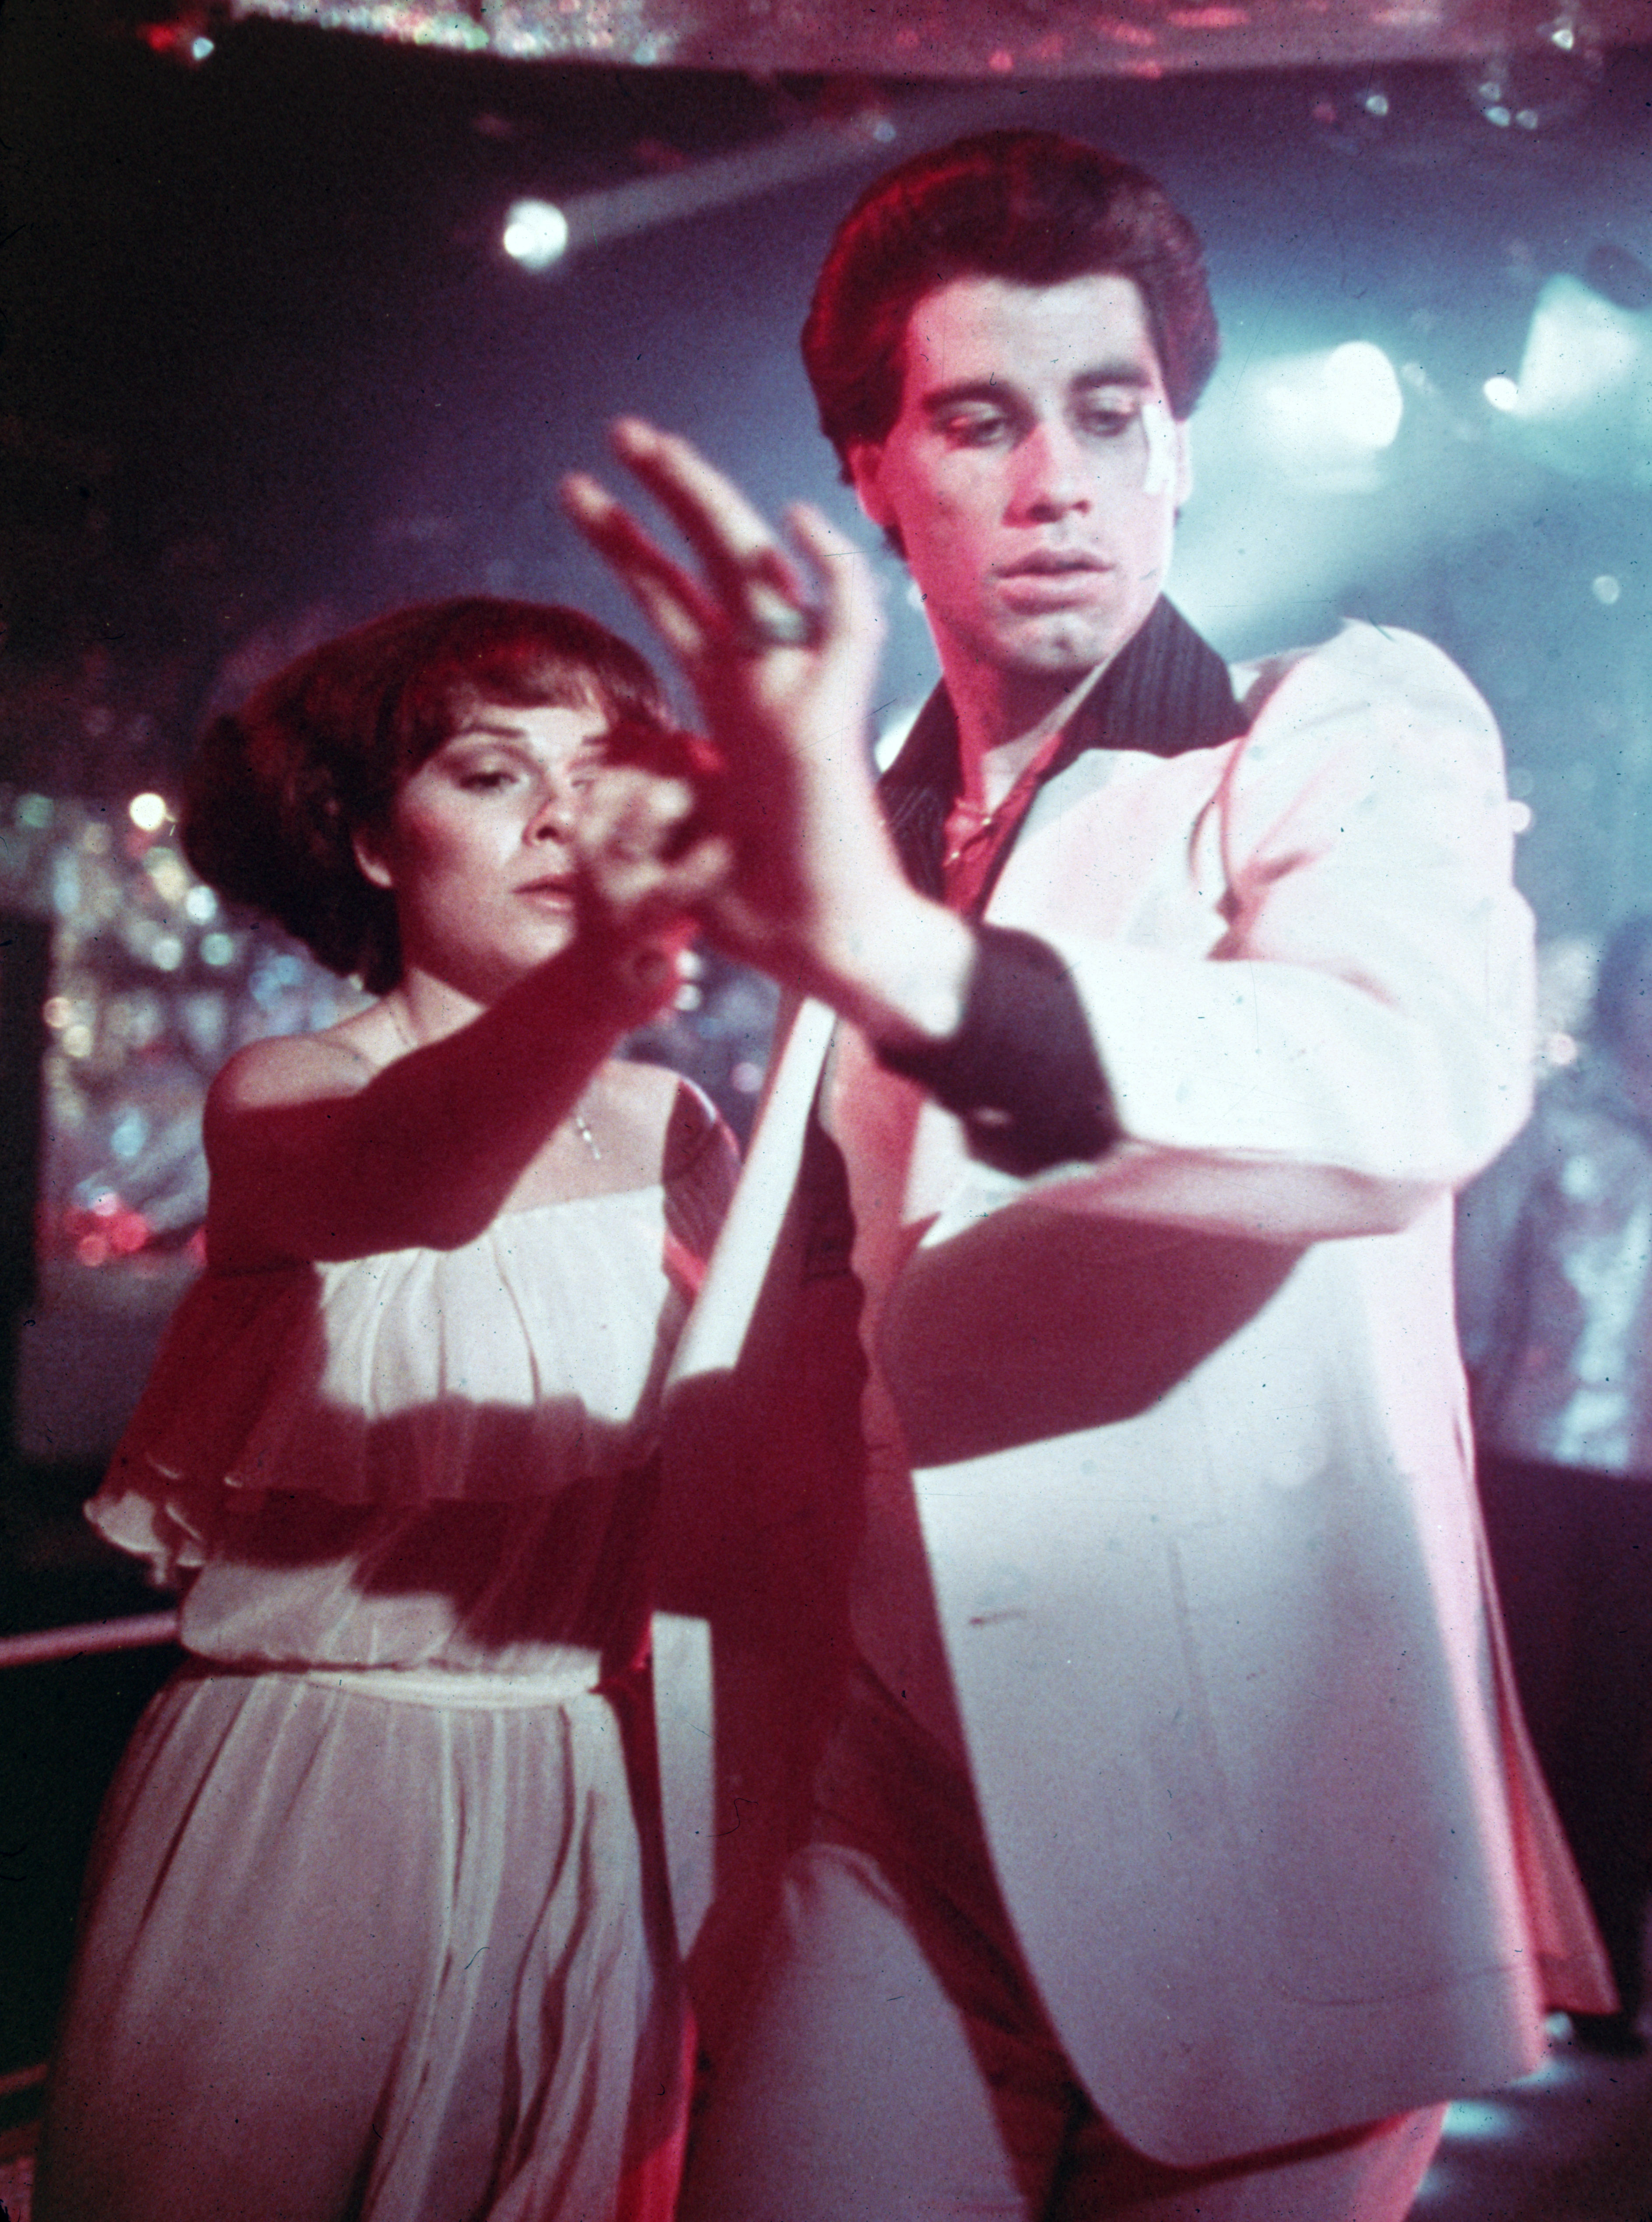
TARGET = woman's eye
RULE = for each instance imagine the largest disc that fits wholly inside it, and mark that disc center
(490, 781)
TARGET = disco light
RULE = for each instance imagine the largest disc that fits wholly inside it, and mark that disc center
(1541, 85)
(1583, 399)
(1361, 399)
(1326, 416)
(534, 235)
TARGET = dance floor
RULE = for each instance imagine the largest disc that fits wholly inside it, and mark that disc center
(1571, 2144)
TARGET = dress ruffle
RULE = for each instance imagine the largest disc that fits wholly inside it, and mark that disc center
(499, 1372)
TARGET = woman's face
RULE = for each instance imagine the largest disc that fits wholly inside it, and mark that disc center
(477, 851)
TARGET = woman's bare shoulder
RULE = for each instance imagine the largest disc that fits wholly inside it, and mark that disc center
(641, 1091)
(303, 1068)
(677, 1118)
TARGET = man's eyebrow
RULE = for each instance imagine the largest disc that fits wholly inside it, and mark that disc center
(1003, 392)
(996, 390)
(1136, 376)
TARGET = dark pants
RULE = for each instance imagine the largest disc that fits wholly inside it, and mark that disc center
(1573, 1550)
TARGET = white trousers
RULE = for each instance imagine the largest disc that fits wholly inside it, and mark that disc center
(347, 1956)
(897, 2067)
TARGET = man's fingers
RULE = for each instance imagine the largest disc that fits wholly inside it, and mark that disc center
(639, 898)
(731, 538)
(852, 609)
(631, 813)
(672, 601)
(702, 870)
(640, 852)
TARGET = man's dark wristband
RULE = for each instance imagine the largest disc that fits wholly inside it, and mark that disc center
(1021, 1071)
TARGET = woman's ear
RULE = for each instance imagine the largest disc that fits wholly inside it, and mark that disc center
(365, 842)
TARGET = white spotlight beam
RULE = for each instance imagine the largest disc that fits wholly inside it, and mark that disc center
(812, 150)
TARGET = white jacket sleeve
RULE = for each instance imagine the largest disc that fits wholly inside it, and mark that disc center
(1359, 1039)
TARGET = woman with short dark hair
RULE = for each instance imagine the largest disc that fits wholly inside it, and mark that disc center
(375, 1925)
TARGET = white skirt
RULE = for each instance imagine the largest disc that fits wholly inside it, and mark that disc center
(347, 1956)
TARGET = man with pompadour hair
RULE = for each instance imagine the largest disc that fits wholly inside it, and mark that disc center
(1176, 1850)
(1022, 206)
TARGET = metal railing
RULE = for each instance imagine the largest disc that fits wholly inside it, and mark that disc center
(137, 1632)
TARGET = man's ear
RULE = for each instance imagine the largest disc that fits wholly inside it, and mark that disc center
(1184, 462)
(866, 476)
(370, 857)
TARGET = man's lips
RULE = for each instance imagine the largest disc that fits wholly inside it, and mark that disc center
(1049, 581)
(1052, 564)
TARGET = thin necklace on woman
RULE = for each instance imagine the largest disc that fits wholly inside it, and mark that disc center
(576, 1116)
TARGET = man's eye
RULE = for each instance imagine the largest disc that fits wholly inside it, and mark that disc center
(978, 430)
(1108, 422)
(489, 780)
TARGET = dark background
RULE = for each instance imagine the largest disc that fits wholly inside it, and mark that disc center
(266, 369)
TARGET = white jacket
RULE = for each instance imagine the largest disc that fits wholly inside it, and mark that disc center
(1187, 1426)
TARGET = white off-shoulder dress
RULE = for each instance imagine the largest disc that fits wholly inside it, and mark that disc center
(376, 1924)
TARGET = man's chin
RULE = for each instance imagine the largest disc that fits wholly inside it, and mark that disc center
(1059, 649)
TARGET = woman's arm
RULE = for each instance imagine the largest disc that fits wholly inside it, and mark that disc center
(314, 1154)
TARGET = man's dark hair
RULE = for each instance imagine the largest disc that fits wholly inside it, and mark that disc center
(279, 791)
(1029, 206)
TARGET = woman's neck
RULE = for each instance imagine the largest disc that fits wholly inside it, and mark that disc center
(424, 1007)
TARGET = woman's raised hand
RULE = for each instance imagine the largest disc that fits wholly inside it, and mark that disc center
(781, 655)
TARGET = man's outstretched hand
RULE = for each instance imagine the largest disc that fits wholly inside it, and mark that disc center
(782, 653)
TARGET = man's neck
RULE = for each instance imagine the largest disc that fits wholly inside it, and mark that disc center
(1004, 719)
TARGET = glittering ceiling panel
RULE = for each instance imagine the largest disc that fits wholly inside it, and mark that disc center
(980, 38)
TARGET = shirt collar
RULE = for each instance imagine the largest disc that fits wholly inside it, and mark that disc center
(1166, 692)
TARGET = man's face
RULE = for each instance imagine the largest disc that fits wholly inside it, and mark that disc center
(1033, 474)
